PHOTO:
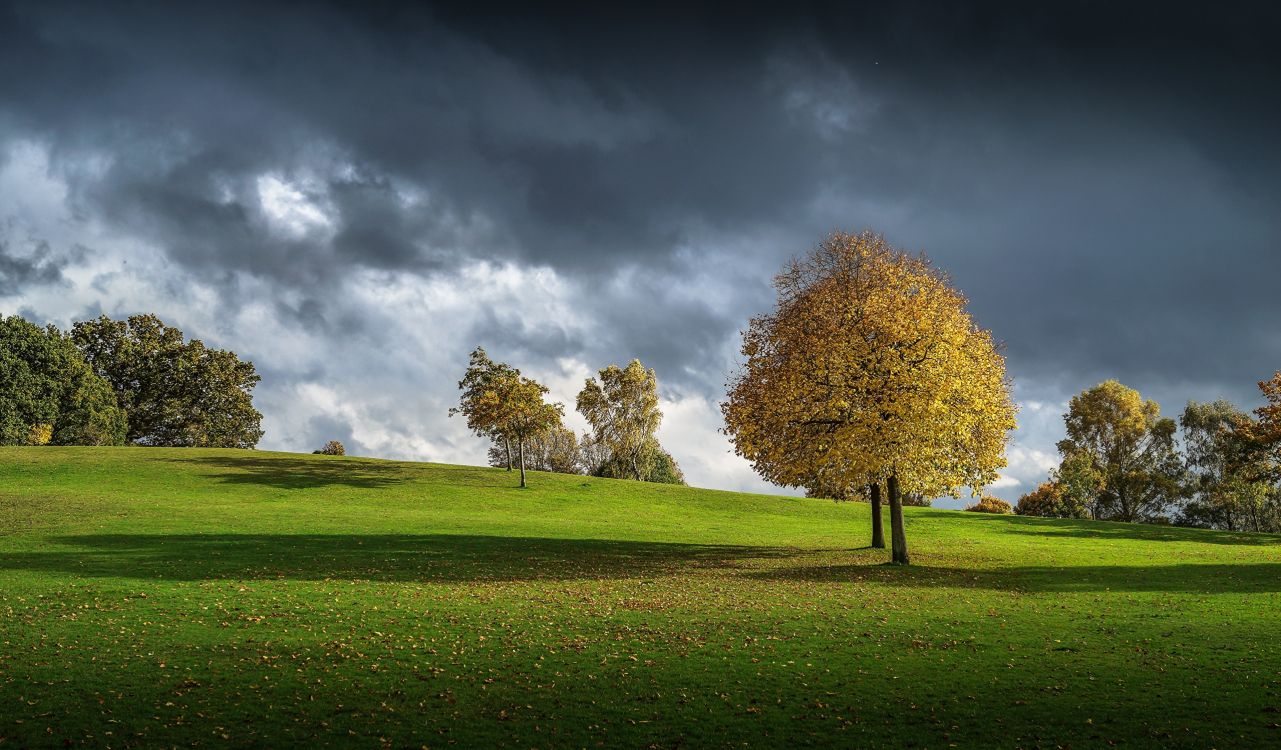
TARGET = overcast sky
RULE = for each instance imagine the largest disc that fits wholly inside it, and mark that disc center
(355, 199)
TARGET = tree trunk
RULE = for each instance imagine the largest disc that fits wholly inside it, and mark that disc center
(878, 528)
(897, 534)
(507, 442)
(520, 448)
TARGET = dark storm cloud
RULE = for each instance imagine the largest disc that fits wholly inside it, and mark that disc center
(510, 333)
(38, 266)
(1100, 179)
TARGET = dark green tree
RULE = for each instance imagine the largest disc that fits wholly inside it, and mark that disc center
(1226, 487)
(174, 392)
(49, 394)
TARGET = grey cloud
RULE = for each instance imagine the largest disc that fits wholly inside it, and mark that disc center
(38, 266)
(509, 332)
(322, 429)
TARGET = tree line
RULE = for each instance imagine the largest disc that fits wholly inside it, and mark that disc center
(868, 380)
(525, 431)
(122, 382)
(1216, 467)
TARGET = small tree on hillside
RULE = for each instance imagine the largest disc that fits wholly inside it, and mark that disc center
(1044, 501)
(623, 412)
(1129, 447)
(525, 414)
(483, 375)
(332, 448)
(989, 504)
(500, 403)
(870, 371)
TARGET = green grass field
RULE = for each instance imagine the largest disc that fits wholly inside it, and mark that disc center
(190, 597)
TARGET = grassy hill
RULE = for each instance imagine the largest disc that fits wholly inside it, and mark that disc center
(155, 597)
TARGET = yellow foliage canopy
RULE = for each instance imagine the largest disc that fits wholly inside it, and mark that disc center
(870, 367)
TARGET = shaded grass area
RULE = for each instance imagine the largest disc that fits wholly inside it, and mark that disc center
(464, 558)
(152, 597)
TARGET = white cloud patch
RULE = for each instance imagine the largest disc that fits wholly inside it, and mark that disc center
(289, 210)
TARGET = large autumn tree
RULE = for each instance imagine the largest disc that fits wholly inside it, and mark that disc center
(1129, 447)
(174, 392)
(870, 372)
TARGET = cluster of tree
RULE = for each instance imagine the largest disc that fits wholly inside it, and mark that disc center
(560, 450)
(870, 373)
(526, 431)
(108, 382)
(49, 394)
(1217, 467)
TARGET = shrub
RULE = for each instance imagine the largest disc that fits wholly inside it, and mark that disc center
(988, 504)
(332, 448)
(40, 434)
(1050, 500)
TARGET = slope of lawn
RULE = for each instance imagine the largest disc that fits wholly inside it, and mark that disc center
(196, 597)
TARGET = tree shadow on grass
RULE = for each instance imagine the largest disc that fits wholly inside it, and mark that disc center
(1084, 529)
(299, 473)
(1242, 578)
(428, 558)
(448, 558)
(316, 472)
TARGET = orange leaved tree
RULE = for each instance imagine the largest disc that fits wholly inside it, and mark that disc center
(869, 371)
